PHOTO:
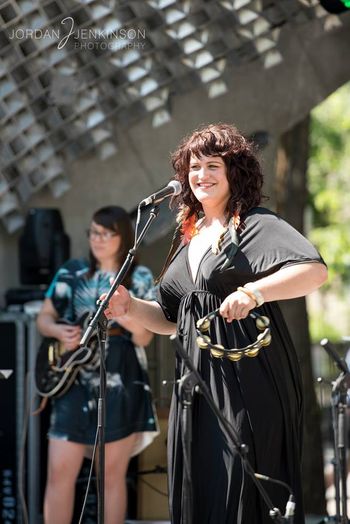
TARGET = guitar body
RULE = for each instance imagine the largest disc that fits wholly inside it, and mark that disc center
(56, 368)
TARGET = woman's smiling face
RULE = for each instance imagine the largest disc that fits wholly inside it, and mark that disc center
(208, 180)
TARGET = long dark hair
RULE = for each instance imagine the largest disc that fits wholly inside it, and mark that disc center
(115, 219)
(244, 176)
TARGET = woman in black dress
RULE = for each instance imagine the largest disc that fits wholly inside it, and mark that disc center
(224, 241)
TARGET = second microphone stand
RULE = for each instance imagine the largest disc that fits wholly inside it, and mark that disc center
(99, 323)
(339, 407)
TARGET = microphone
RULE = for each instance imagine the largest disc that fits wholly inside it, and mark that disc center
(172, 189)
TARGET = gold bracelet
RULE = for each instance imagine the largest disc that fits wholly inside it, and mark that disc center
(251, 286)
(250, 294)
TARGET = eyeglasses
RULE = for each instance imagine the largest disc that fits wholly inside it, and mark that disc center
(92, 234)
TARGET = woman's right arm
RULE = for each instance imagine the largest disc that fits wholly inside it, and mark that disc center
(147, 313)
(48, 326)
(47, 319)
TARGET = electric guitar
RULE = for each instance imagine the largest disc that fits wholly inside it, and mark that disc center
(56, 367)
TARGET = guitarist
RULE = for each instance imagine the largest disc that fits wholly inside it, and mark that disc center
(131, 422)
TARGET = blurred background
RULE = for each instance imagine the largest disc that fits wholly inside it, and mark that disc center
(94, 96)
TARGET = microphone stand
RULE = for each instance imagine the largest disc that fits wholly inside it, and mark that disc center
(339, 398)
(188, 384)
(187, 387)
(339, 405)
(99, 322)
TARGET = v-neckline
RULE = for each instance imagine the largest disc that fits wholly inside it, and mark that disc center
(194, 278)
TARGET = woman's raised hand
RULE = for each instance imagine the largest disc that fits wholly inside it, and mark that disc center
(119, 303)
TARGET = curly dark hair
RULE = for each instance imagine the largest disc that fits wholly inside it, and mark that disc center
(243, 169)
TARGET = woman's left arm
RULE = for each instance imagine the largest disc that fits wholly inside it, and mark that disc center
(292, 281)
(288, 282)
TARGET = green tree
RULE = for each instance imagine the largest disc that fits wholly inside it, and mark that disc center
(313, 180)
(291, 201)
(329, 183)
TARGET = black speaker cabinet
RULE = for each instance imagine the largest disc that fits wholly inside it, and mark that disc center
(43, 246)
(19, 473)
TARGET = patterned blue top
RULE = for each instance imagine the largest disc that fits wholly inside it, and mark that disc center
(129, 406)
(73, 292)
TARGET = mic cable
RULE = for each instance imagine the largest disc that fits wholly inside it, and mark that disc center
(290, 506)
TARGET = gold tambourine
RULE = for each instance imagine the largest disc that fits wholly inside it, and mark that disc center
(234, 354)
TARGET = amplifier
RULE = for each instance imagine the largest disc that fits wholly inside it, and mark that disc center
(18, 462)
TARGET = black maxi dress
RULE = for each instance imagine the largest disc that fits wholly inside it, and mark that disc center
(261, 396)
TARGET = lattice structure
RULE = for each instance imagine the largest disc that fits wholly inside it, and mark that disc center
(69, 70)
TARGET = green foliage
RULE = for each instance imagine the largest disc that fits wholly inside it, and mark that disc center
(329, 182)
(319, 328)
(333, 241)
